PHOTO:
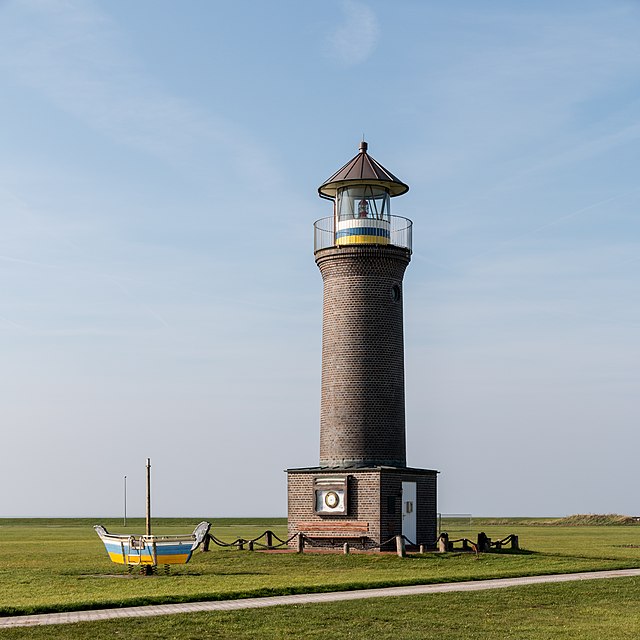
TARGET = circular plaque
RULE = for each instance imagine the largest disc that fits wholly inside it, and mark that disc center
(332, 499)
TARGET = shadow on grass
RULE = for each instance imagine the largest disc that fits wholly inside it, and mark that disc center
(459, 553)
(513, 552)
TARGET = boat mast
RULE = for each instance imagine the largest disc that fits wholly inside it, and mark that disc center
(148, 496)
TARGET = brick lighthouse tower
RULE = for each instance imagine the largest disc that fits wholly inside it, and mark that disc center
(362, 490)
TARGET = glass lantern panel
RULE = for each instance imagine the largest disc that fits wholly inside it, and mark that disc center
(364, 201)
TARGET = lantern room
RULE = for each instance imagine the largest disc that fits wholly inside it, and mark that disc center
(361, 192)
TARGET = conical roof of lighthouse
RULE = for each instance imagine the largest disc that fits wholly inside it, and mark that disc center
(362, 169)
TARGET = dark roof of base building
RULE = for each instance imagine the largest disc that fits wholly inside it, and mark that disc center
(352, 468)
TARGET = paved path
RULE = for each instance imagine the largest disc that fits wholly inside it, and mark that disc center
(304, 598)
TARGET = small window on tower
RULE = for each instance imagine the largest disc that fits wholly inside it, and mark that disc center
(396, 293)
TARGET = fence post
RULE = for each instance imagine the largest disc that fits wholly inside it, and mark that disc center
(205, 543)
(269, 539)
(484, 543)
(514, 541)
(400, 546)
(240, 544)
(346, 549)
(250, 545)
(443, 542)
(300, 542)
(422, 548)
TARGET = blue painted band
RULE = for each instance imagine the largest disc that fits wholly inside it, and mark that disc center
(161, 550)
(363, 231)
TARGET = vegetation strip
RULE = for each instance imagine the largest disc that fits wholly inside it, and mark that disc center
(60, 565)
(253, 603)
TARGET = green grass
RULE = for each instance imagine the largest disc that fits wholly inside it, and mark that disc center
(58, 565)
(571, 611)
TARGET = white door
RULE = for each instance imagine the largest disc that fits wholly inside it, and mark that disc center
(409, 510)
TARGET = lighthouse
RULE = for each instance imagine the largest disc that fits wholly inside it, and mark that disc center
(362, 491)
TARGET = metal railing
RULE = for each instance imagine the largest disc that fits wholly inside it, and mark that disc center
(324, 233)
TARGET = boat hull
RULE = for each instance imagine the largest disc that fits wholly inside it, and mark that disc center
(152, 554)
(152, 550)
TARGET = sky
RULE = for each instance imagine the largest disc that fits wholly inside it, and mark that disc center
(159, 166)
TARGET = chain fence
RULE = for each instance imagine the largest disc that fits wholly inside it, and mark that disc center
(442, 543)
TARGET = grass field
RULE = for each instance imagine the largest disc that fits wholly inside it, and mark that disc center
(591, 610)
(56, 565)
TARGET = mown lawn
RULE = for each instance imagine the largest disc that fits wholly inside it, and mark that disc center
(570, 611)
(55, 565)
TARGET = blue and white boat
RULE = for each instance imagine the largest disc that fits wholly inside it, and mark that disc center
(152, 550)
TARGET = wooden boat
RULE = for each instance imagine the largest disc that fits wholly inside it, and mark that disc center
(150, 549)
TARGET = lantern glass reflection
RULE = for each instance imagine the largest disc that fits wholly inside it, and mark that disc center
(364, 201)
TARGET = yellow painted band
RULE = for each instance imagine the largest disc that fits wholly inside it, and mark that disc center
(362, 240)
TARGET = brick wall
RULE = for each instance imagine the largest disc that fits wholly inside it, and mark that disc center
(427, 525)
(363, 505)
(426, 508)
(362, 418)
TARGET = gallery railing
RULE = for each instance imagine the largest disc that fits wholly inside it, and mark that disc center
(400, 233)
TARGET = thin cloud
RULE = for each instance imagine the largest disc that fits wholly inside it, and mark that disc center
(76, 56)
(143, 306)
(31, 263)
(354, 41)
(552, 223)
(13, 324)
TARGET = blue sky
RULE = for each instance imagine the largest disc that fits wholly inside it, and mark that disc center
(158, 173)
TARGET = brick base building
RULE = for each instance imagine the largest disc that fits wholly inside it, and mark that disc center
(374, 509)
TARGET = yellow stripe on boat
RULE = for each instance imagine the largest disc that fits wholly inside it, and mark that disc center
(134, 558)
